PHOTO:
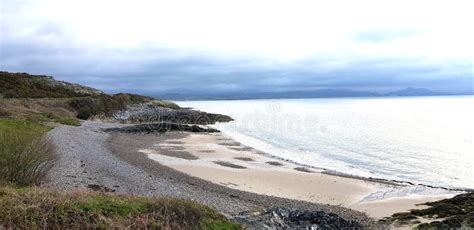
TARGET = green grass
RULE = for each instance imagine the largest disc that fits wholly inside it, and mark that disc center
(24, 161)
(43, 118)
(25, 156)
(22, 126)
(61, 120)
(23, 85)
(166, 104)
(38, 208)
(39, 110)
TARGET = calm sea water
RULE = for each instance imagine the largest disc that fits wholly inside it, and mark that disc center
(425, 140)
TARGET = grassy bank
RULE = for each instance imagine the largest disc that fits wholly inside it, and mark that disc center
(42, 98)
(67, 111)
(25, 156)
(39, 110)
(37, 208)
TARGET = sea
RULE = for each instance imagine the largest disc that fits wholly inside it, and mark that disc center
(421, 140)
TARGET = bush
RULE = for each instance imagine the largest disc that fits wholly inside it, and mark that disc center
(23, 85)
(105, 104)
(4, 113)
(63, 120)
(25, 155)
(166, 104)
(41, 209)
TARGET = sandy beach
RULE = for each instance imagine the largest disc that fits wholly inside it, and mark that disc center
(112, 162)
(221, 160)
(212, 169)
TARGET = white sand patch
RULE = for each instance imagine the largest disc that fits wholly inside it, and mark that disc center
(281, 181)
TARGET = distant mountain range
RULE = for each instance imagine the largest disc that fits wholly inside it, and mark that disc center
(321, 93)
(414, 92)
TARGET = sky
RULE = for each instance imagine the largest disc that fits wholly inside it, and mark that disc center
(160, 47)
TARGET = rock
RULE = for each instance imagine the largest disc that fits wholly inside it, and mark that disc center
(99, 188)
(142, 113)
(161, 128)
(288, 218)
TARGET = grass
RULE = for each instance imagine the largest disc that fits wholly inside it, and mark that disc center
(38, 208)
(44, 118)
(31, 103)
(39, 110)
(62, 120)
(25, 156)
(106, 105)
(23, 85)
(166, 104)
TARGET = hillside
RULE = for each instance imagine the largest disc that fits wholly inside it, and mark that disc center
(43, 99)
(31, 110)
(23, 85)
(410, 91)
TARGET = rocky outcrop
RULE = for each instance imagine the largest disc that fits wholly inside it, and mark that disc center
(149, 113)
(453, 213)
(161, 128)
(289, 218)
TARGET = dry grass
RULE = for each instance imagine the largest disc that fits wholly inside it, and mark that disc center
(39, 110)
(25, 155)
(41, 209)
(166, 104)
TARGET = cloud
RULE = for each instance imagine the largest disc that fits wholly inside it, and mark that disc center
(384, 35)
(160, 46)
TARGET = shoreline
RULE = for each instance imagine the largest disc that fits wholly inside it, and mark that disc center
(112, 160)
(354, 176)
(91, 158)
(262, 180)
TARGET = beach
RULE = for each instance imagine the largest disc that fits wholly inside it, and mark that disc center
(218, 159)
(91, 158)
(212, 169)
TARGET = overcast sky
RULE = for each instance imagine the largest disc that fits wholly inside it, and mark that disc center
(156, 47)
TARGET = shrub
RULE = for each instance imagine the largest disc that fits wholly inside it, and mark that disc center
(41, 209)
(166, 104)
(23, 85)
(4, 113)
(63, 120)
(25, 155)
(105, 104)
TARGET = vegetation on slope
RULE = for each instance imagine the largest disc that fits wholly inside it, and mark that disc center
(105, 104)
(23, 85)
(454, 213)
(39, 110)
(42, 209)
(43, 99)
(29, 105)
(25, 155)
